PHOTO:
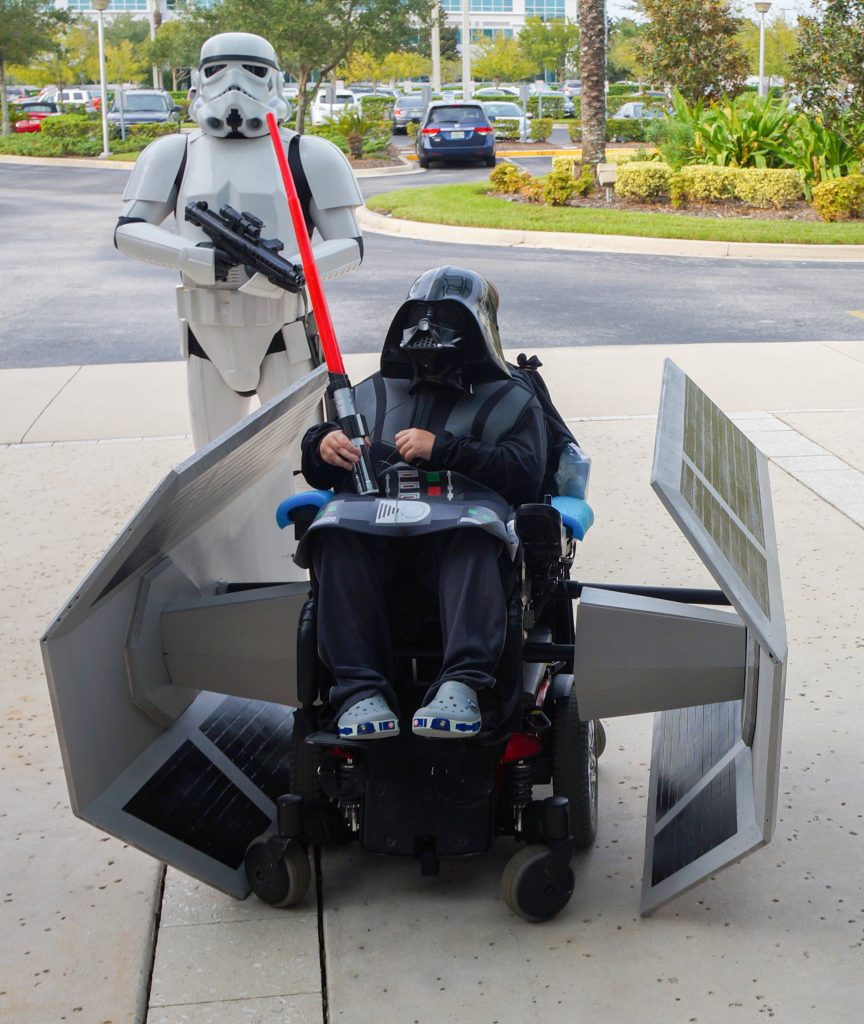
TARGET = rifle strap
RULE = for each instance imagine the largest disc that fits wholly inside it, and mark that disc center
(301, 183)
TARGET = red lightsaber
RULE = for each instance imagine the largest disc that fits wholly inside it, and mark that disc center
(351, 422)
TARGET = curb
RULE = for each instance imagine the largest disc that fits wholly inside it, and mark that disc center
(378, 223)
(48, 161)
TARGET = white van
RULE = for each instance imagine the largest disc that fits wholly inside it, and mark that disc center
(78, 97)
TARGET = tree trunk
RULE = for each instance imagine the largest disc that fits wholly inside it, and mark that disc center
(592, 72)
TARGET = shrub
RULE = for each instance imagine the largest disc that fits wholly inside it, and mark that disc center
(558, 188)
(574, 129)
(644, 180)
(532, 190)
(586, 182)
(577, 105)
(706, 183)
(411, 129)
(69, 128)
(769, 186)
(507, 130)
(839, 198)
(625, 129)
(508, 178)
(376, 108)
(567, 162)
(553, 106)
(540, 129)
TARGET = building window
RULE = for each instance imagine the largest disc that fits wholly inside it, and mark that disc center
(116, 5)
(479, 6)
(548, 10)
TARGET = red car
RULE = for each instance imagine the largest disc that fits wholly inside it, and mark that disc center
(35, 112)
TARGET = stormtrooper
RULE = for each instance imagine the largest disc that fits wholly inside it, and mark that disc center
(241, 335)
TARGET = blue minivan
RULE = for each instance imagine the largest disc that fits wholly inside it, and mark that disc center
(456, 131)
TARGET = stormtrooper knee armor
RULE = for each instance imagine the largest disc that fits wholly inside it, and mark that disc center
(242, 336)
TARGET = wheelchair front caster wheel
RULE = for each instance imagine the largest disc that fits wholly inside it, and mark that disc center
(536, 885)
(278, 872)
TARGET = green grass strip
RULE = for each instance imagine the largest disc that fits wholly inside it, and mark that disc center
(470, 206)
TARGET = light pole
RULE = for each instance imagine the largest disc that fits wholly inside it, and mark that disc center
(155, 15)
(435, 41)
(100, 6)
(466, 50)
(763, 8)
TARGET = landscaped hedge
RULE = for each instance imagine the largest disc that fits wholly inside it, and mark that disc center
(839, 198)
(377, 108)
(507, 129)
(706, 184)
(540, 129)
(618, 129)
(644, 179)
(553, 106)
(769, 186)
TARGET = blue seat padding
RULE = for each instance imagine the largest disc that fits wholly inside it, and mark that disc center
(576, 514)
(306, 499)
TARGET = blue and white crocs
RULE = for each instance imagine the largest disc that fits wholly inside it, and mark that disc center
(368, 719)
(453, 714)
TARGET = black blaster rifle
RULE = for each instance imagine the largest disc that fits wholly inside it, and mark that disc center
(239, 235)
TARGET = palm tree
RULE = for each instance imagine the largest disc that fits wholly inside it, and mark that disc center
(592, 71)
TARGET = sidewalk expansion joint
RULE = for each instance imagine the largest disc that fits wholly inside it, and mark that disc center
(157, 920)
(322, 948)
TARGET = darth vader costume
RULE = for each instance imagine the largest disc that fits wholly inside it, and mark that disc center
(443, 371)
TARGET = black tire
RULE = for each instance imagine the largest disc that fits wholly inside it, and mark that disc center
(491, 161)
(277, 874)
(600, 733)
(532, 886)
(574, 768)
(423, 161)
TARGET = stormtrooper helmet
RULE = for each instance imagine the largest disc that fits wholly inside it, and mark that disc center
(237, 83)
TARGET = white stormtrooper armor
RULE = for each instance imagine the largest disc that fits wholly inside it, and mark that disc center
(242, 336)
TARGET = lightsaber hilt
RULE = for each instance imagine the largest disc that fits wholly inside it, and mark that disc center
(353, 425)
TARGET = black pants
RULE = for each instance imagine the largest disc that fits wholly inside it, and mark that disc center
(356, 575)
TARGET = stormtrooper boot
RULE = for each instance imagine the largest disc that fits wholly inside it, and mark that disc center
(452, 714)
(368, 719)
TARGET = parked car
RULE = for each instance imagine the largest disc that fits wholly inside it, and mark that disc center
(492, 92)
(75, 97)
(638, 111)
(35, 112)
(20, 93)
(324, 110)
(572, 87)
(501, 111)
(143, 106)
(456, 131)
(406, 109)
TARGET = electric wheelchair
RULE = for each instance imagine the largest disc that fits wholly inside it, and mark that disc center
(434, 798)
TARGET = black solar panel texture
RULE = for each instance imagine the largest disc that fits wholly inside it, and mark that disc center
(254, 736)
(189, 799)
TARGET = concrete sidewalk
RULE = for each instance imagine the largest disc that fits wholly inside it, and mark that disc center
(96, 932)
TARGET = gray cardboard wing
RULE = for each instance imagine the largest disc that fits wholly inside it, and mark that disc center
(715, 767)
(188, 773)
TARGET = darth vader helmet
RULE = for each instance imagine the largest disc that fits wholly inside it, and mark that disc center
(237, 83)
(446, 331)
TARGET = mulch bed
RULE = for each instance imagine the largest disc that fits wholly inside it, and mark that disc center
(729, 210)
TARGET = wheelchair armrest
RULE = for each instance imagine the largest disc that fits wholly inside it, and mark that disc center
(301, 506)
(576, 514)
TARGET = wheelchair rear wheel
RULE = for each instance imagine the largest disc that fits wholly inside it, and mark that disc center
(574, 767)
